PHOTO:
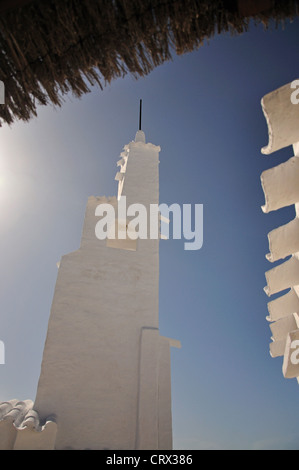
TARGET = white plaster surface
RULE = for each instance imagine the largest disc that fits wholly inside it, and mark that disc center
(280, 185)
(283, 305)
(282, 117)
(277, 348)
(284, 240)
(283, 276)
(283, 326)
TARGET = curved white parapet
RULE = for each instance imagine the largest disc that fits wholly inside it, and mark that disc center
(277, 348)
(21, 428)
(281, 185)
(283, 305)
(281, 189)
(283, 276)
(282, 116)
(284, 241)
(281, 328)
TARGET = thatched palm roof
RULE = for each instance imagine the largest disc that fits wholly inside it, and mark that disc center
(51, 47)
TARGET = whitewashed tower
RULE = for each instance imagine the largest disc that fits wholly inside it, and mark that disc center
(105, 374)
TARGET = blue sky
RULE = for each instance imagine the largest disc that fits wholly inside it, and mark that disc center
(204, 110)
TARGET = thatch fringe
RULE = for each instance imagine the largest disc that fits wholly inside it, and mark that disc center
(51, 47)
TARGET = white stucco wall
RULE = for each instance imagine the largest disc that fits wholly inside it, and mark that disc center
(100, 369)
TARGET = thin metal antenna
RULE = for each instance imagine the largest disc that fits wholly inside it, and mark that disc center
(140, 114)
